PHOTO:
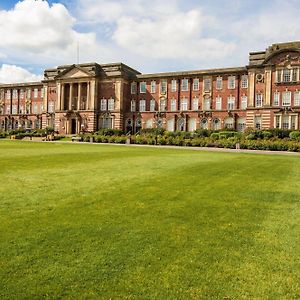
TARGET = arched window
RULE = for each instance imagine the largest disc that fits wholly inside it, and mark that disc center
(229, 123)
(216, 124)
(204, 123)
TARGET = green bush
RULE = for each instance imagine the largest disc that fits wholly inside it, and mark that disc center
(152, 131)
(295, 135)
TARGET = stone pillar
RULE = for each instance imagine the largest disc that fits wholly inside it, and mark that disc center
(45, 102)
(62, 99)
(92, 95)
(88, 95)
(79, 96)
(58, 99)
(71, 96)
(251, 89)
(268, 87)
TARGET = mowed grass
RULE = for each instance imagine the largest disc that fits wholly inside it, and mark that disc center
(81, 221)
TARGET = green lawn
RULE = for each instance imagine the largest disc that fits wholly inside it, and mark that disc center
(80, 221)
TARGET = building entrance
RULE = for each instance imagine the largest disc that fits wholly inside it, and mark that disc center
(73, 126)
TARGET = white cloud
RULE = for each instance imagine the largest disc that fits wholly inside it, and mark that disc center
(14, 74)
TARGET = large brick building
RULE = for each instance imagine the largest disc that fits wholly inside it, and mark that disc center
(87, 97)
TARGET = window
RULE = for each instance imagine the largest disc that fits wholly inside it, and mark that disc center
(163, 87)
(196, 84)
(278, 76)
(231, 82)
(195, 104)
(259, 100)
(15, 94)
(285, 122)
(244, 102)
(42, 92)
(286, 98)
(163, 104)
(229, 123)
(277, 121)
(143, 87)
(8, 109)
(103, 104)
(153, 87)
(132, 106)
(276, 99)
(21, 109)
(297, 98)
(35, 93)
(142, 105)
(257, 122)
(295, 75)
(8, 95)
(173, 105)
(35, 108)
(21, 94)
(286, 75)
(111, 104)
(14, 109)
(28, 94)
(219, 103)
(183, 104)
(230, 103)
(244, 83)
(207, 104)
(173, 85)
(184, 85)
(204, 124)
(51, 107)
(207, 84)
(216, 124)
(28, 106)
(152, 105)
(219, 84)
(241, 124)
(133, 88)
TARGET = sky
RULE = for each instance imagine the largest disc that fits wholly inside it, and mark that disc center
(150, 36)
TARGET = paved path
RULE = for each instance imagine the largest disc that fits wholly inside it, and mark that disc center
(207, 149)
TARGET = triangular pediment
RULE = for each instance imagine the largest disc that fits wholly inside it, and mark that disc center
(74, 72)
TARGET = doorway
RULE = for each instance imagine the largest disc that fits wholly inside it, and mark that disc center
(73, 126)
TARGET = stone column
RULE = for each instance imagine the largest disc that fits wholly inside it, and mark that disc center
(58, 99)
(79, 96)
(251, 89)
(268, 87)
(70, 96)
(92, 95)
(62, 101)
(88, 95)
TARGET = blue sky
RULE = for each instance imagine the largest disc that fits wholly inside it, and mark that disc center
(151, 36)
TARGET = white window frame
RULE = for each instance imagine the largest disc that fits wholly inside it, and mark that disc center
(207, 84)
(162, 104)
(259, 100)
(15, 94)
(184, 104)
(133, 88)
(143, 87)
(287, 98)
(231, 82)
(173, 85)
(173, 104)
(163, 86)
(244, 82)
(297, 98)
(142, 105)
(195, 103)
(184, 85)
(218, 103)
(51, 106)
(132, 105)
(153, 87)
(276, 99)
(152, 105)
(35, 93)
(219, 83)
(244, 102)
(196, 84)
(231, 103)
(111, 104)
(103, 104)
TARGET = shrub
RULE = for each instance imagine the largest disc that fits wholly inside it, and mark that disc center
(215, 136)
(109, 132)
(202, 133)
(295, 135)
(152, 131)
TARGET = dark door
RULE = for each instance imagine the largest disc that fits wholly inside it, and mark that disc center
(73, 126)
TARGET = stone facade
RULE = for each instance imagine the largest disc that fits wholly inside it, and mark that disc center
(86, 97)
